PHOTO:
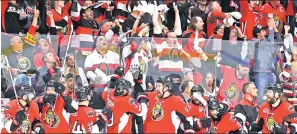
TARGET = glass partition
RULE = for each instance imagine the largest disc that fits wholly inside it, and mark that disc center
(221, 67)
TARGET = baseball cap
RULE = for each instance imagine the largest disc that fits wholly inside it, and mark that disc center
(186, 70)
(258, 28)
(83, 9)
(245, 63)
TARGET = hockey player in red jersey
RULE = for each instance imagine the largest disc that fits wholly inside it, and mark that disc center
(164, 108)
(221, 123)
(85, 119)
(52, 106)
(22, 114)
(121, 103)
(275, 115)
(198, 111)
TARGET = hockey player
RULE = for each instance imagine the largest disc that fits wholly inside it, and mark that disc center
(52, 106)
(119, 100)
(246, 111)
(275, 115)
(22, 114)
(221, 123)
(85, 119)
(162, 109)
(198, 110)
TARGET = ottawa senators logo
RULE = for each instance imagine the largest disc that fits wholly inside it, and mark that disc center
(51, 119)
(270, 123)
(278, 22)
(157, 112)
(231, 92)
(25, 127)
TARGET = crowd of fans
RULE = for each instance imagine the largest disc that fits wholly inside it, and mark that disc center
(237, 51)
(218, 44)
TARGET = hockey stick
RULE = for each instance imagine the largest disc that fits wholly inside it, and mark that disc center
(12, 80)
(64, 62)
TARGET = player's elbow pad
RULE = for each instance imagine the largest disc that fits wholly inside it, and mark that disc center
(144, 109)
(240, 117)
(71, 106)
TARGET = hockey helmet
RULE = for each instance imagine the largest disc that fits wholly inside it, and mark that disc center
(119, 71)
(82, 93)
(198, 88)
(120, 87)
(24, 89)
(213, 103)
(166, 81)
(50, 83)
(275, 88)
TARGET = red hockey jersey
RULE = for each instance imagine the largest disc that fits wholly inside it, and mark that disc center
(161, 112)
(121, 106)
(231, 87)
(52, 118)
(83, 120)
(10, 110)
(248, 21)
(227, 123)
(275, 116)
(213, 19)
(278, 13)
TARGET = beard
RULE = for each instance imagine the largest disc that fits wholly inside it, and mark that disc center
(271, 100)
(160, 94)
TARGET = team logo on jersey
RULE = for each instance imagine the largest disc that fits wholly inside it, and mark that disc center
(270, 122)
(291, 108)
(25, 127)
(187, 108)
(29, 11)
(157, 112)
(278, 22)
(91, 114)
(23, 63)
(51, 119)
(142, 64)
(231, 92)
(104, 68)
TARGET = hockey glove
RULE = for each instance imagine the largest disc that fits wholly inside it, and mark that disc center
(202, 123)
(20, 116)
(279, 129)
(142, 98)
(107, 112)
(60, 89)
(49, 99)
(104, 117)
(38, 129)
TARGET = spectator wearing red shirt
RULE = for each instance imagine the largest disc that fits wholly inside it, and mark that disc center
(215, 16)
(273, 9)
(233, 80)
(45, 47)
(249, 18)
